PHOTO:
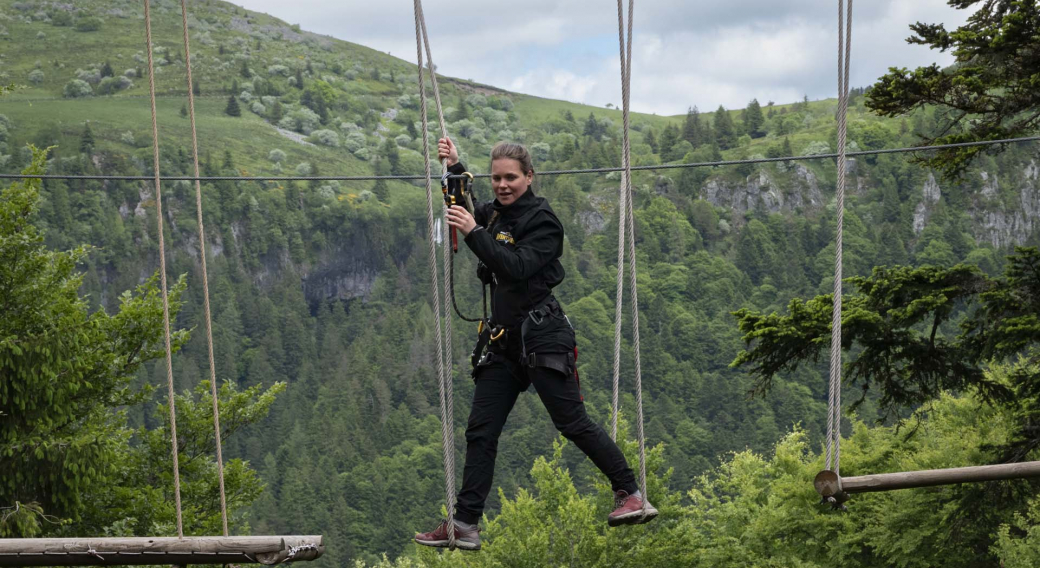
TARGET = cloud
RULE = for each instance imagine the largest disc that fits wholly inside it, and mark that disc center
(685, 52)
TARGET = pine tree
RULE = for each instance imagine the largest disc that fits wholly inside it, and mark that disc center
(277, 112)
(299, 79)
(246, 73)
(591, 127)
(753, 120)
(693, 128)
(184, 111)
(195, 88)
(786, 148)
(392, 155)
(232, 108)
(106, 70)
(651, 140)
(86, 141)
(725, 130)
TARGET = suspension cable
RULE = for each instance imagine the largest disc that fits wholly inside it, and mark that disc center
(205, 276)
(162, 272)
(443, 358)
(834, 399)
(410, 177)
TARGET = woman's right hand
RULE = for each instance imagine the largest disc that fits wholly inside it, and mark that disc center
(446, 151)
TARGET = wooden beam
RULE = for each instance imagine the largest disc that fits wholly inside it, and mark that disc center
(267, 550)
(830, 485)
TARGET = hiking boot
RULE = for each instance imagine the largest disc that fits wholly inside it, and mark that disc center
(465, 538)
(629, 510)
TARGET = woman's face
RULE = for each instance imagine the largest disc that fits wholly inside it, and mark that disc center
(509, 180)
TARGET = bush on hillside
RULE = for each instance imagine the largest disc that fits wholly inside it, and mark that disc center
(36, 77)
(76, 89)
(88, 24)
(61, 19)
(92, 76)
(325, 138)
(354, 142)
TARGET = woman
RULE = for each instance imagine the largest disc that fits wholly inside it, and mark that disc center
(518, 241)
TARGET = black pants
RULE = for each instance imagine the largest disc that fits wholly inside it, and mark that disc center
(498, 385)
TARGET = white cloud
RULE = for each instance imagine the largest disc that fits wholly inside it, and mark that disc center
(686, 52)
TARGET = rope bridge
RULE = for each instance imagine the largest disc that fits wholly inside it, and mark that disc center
(269, 550)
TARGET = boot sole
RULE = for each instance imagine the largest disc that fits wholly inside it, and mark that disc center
(459, 544)
(634, 518)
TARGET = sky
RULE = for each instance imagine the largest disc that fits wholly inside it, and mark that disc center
(686, 53)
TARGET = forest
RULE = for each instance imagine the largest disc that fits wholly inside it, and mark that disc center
(323, 327)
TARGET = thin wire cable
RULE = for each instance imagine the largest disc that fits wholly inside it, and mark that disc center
(834, 400)
(447, 433)
(720, 163)
(162, 272)
(205, 275)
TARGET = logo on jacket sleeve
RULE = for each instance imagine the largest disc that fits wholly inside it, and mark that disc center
(505, 237)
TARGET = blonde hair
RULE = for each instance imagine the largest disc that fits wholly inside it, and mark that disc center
(512, 151)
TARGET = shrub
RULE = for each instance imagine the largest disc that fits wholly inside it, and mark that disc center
(816, 148)
(403, 140)
(92, 76)
(77, 88)
(277, 156)
(128, 138)
(477, 100)
(302, 120)
(107, 86)
(354, 142)
(130, 73)
(304, 169)
(88, 24)
(36, 77)
(258, 108)
(41, 36)
(325, 138)
(61, 19)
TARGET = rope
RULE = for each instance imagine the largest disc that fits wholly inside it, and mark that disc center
(626, 98)
(720, 163)
(443, 369)
(834, 400)
(162, 272)
(622, 215)
(205, 277)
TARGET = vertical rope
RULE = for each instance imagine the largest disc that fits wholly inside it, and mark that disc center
(628, 233)
(447, 433)
(622, 224)
(834, 400)
(162, 272)
(205, 276)
(446, 261)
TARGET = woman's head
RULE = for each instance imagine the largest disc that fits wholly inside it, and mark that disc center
(512, 172)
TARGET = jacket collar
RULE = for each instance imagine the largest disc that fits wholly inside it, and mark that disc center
(522, 205)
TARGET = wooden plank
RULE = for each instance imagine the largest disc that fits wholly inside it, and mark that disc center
(931, 478)
(158, 550)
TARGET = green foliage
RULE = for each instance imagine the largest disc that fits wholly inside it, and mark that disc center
(65, 370)
(232, 108)
(989, 94)
(754, 121)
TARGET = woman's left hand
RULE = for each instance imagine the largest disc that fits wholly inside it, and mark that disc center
(460, 218)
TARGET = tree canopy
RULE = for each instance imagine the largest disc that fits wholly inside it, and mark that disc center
(991, 92)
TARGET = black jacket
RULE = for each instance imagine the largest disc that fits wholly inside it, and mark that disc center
(521, 248)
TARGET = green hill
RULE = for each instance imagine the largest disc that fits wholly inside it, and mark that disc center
(325, 285)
